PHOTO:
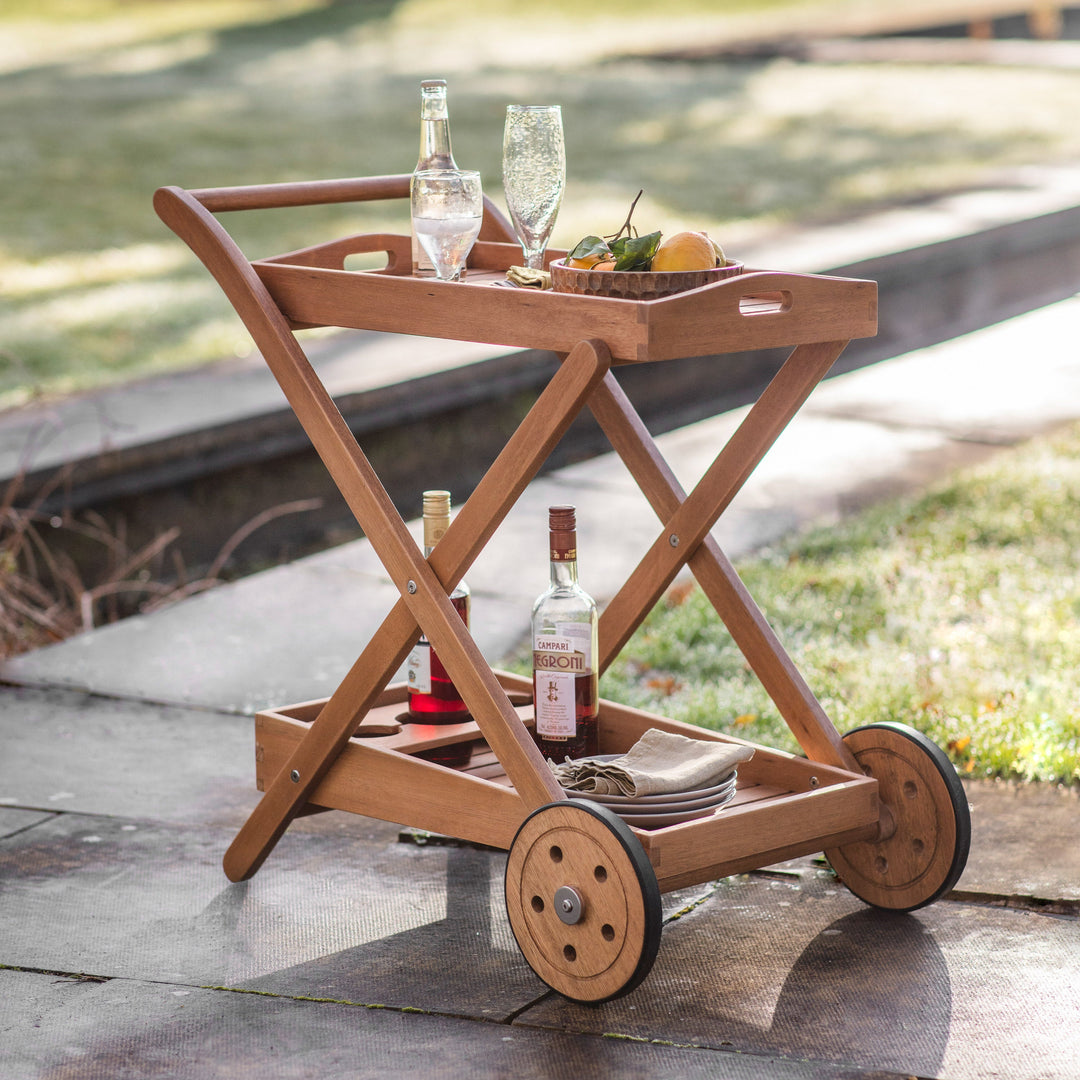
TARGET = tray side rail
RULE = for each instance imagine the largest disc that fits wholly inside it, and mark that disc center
(754, 310)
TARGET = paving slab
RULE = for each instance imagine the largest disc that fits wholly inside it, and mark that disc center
(354, 916)
(360, 918)
(783, 970)
(126, 1029)
(14, 820)
(781, 973)
(71, 752)
(799, 968)
(1025, 842)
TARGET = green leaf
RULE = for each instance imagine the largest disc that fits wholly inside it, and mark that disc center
(590, 246)
(636, 251)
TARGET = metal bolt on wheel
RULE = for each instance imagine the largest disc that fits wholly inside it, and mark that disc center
(583, 901)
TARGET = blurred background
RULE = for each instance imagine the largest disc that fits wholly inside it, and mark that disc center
(743, 117)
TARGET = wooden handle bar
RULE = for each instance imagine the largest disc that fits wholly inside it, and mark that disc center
(303, 193)
(220, 200)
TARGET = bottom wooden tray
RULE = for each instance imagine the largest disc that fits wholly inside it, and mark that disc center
(785, 806)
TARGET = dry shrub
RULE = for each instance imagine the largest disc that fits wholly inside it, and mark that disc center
(44, 597)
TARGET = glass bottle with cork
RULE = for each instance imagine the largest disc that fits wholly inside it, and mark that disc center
(433, 698)
(435, 152)
(564, 623)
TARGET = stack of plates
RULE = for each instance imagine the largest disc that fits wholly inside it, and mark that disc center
(656, 811)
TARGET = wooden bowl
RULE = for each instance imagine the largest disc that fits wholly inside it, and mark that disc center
(635, 284)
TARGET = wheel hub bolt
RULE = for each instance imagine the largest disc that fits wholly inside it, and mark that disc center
(568, 905)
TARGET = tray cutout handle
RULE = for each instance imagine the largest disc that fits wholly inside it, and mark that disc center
(762, 304)
(335, 255)
(360, 253)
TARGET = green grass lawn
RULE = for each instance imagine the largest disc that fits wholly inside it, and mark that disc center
(957, 613)
(102, 101)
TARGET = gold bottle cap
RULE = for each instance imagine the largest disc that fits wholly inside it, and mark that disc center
(436, 516)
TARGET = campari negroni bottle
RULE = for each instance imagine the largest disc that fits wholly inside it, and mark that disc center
(435, 152)
(565, 681)
(433, 698)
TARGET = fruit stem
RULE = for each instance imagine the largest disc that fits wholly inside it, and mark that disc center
(626, 227)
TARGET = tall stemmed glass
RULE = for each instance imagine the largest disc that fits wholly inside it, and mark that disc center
(447, 208)
(534, 174)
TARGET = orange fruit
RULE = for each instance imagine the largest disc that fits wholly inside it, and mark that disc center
(588, 262)
(604, 264)
(685, 251)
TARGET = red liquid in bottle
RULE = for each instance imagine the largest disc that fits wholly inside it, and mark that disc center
(443, 704)
(440, 703)
(585, 742)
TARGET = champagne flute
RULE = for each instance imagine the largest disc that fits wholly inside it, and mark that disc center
(534, 175)
(447, 208)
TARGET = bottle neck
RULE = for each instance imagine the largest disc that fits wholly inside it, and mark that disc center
(434, 527)
(435, 151)
(564, 574)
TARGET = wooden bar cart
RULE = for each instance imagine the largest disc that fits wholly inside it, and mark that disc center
(883, 803)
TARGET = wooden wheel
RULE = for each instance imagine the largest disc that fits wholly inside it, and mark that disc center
(926, 846)
(583, 901)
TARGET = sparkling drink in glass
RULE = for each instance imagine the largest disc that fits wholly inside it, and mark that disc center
(447, 208)
(534, 175)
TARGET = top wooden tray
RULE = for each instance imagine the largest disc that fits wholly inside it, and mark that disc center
(756, 310)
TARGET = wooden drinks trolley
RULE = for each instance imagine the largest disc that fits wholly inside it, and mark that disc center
(883, 803)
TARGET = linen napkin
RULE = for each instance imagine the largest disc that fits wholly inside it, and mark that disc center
(527, 278)
(659, 763)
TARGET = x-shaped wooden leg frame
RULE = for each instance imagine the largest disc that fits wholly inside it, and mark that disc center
(685, 539)
(424, 586)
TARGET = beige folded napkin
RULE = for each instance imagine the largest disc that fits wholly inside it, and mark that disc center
(526, 278)
(659, 763)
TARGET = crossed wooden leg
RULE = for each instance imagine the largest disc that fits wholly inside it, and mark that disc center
(685, 539)
(424, 585)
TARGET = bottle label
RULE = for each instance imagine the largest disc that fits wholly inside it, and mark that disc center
(558, 660)
(419, 669)
(569, 649)
(556, 709)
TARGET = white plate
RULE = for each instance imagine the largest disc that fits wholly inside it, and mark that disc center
(660, 821)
